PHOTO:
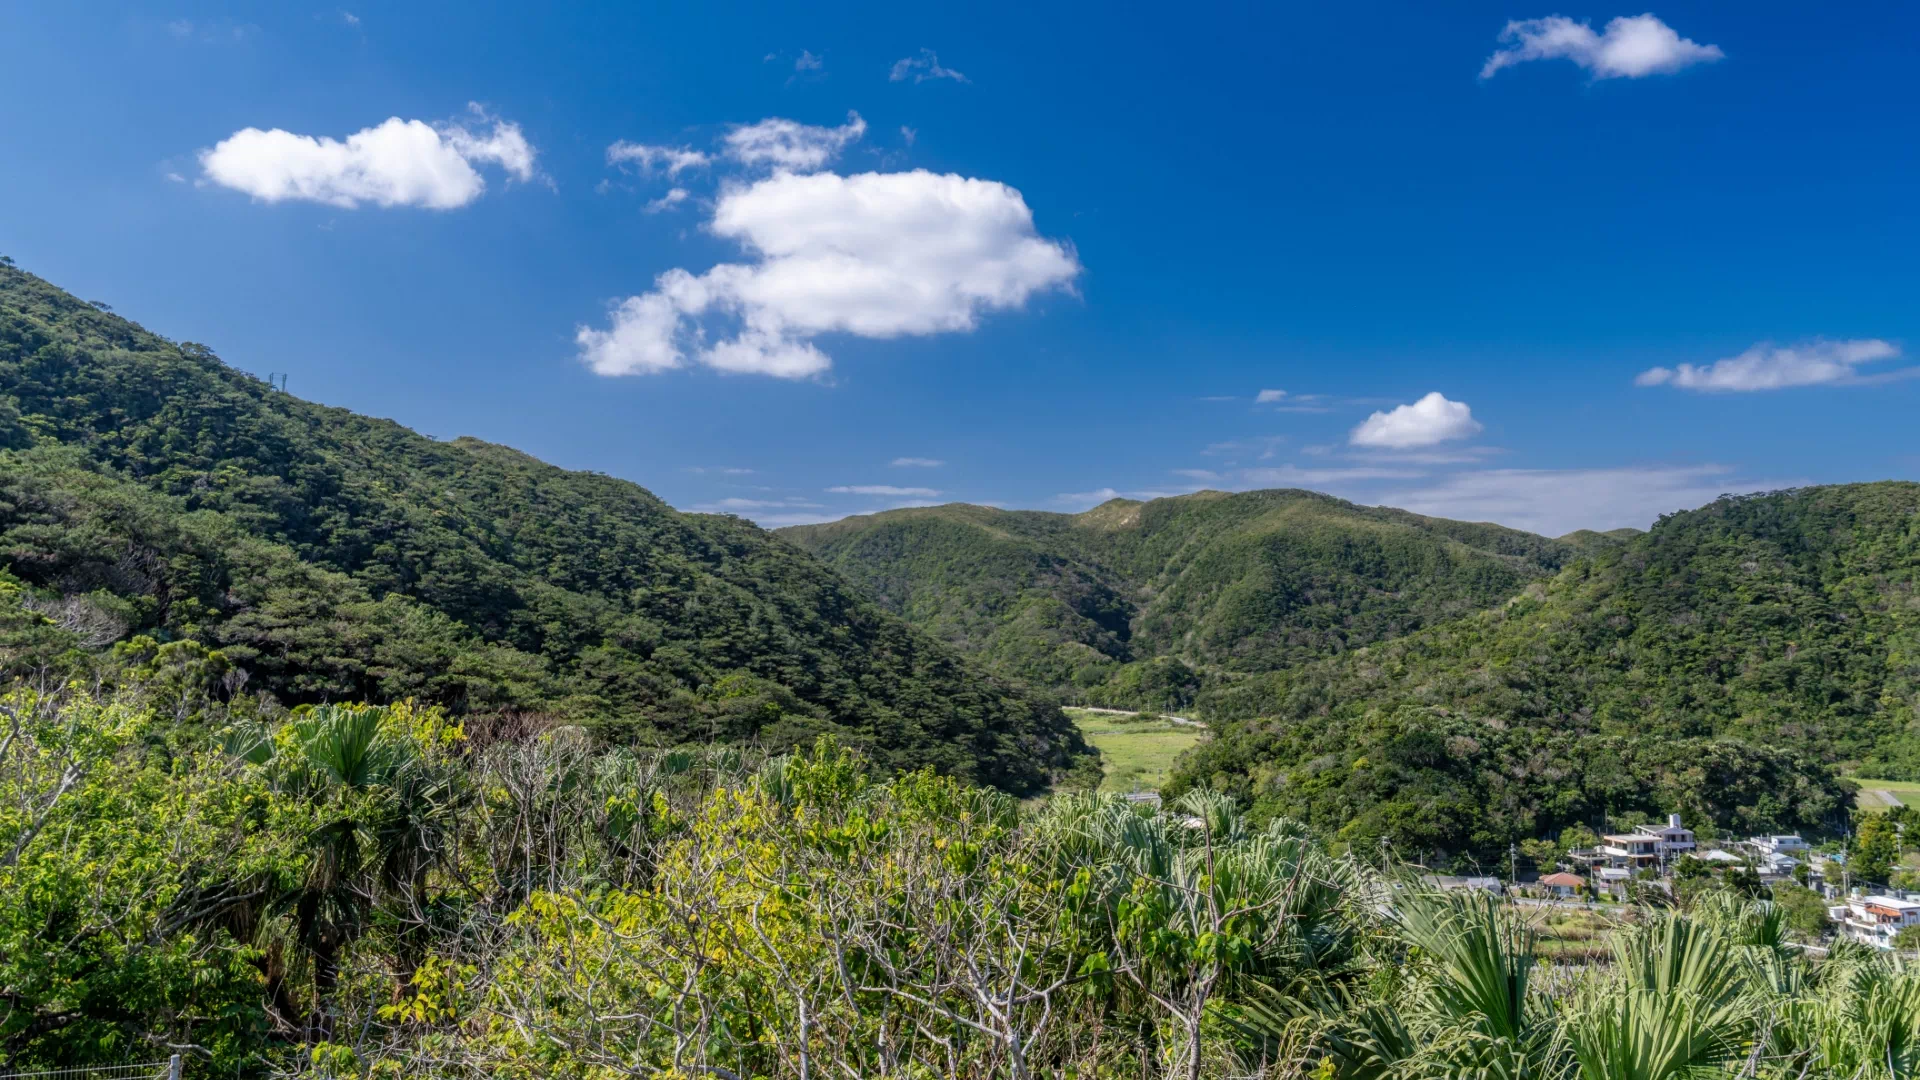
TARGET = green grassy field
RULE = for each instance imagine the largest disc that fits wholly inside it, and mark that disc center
(1137, 756)
(1870, 797)
(1572, 934)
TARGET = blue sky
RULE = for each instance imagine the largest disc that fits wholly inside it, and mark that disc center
(1062, 254)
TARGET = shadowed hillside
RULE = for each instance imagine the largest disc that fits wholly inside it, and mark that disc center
(163, 510)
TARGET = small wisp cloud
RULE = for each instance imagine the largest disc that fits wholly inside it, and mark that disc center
(888, 490)
(668, 160)
(789, 146)
(1770, 367)
(922, 66)
(1629, 47)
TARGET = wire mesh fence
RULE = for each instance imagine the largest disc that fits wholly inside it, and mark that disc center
(151, 1070)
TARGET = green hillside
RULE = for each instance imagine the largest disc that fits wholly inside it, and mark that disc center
(1142, 603)
(1587, 540)
(163, 510)
(1716, 664)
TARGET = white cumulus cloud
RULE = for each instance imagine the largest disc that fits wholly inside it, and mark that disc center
(1268, 397)
(1770, 367)
(790, 146)
(921, 67)
(397, 163)
(1629, 47)
(640, 340)
(1433, 419)
(876, 255)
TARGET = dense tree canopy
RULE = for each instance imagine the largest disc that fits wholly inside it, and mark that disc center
(1221, 584)
(1763, 636)
(152, 496)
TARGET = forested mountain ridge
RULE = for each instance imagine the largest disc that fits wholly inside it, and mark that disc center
(152, 496)
(1587, 540)
(1717, 663)
(1141, 602)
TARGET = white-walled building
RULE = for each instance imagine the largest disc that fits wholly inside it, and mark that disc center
(1647, 848)
(1875, 919)
(1778, 864)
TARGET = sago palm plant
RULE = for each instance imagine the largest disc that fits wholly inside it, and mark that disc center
(1471, 1010)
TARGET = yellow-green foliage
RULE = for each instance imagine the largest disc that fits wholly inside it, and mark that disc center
(354, 891)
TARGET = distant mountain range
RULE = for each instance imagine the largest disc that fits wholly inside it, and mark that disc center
(1147, 603)
(1443, 686)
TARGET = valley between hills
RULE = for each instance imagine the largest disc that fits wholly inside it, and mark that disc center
(333, 749)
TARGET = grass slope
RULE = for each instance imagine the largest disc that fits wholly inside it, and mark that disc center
(1873, 793)
(1138, 754)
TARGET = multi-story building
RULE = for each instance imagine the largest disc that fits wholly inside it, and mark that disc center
(1875, 919)
(1647, 848)
(1789, 845)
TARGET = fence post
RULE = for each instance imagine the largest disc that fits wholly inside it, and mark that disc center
(173, 1067)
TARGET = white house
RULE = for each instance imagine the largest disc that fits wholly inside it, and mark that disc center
(1778, 864)
(1792, 846)
(1647, 848)
(1451, 883)
(1875, 919)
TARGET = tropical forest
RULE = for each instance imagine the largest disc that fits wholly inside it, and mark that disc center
(330, 749)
